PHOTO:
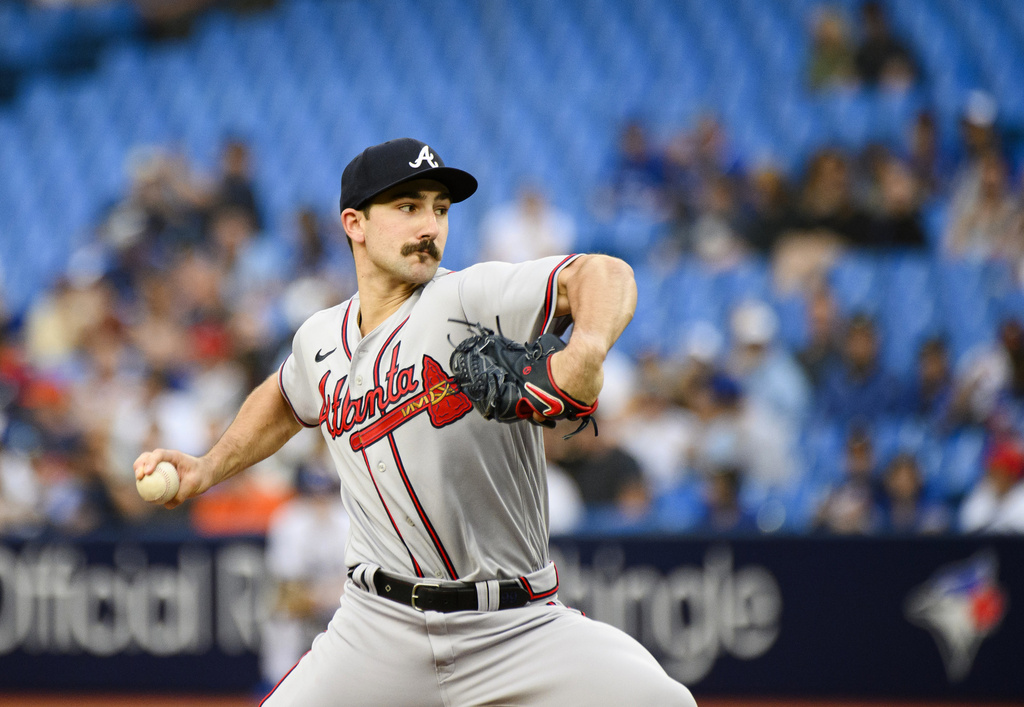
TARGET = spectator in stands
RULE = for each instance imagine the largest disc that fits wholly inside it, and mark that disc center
(828, 220)
(235, 188)
(929, 161)
(858, 389)
(157, 413)
(902, 506)
(930, 394)
(980, 227)
(310, 244)
(156, 327)
(996, 503)
(897, 220)
(827, 202)
(108, 370)
(162, 212)
(715, 236)
(849, 506)
(866, 170)
(305, 560)
(636, 181)
(318, 252)
(979, 136)
(767, 371)
(1013, 245)
(319, 275)
(653, 429)
(831, 63)
(607, 475)
(58, 323)
(20, 489)
(526, 229)
(721, 510)
(881, 58)
(771, 209)
(694, 159)
(732, 431)
(990, 380)
(48, 416)
(250, 262)
(20, 495)
(825, 327)
(243, 505)
(566, 508)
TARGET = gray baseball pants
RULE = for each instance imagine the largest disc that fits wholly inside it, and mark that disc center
(378, 652)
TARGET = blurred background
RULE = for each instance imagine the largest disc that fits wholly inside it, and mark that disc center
(822, 202)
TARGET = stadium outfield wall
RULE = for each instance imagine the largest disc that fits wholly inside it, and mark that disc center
(923, 618)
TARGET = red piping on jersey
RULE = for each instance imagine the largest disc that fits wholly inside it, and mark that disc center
(551, 296)
(422, 514)
(415, 564)
(344, 331)
(280, 385)
(376, 364)
(534, 596)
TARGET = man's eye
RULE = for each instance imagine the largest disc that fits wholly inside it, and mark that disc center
(406, 207)
(441, 210)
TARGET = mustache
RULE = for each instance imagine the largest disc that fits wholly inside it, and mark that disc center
(427, 247)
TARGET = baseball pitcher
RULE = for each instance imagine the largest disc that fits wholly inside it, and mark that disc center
(429, 387)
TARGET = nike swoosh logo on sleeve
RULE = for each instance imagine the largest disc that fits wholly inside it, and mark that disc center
(321, 356)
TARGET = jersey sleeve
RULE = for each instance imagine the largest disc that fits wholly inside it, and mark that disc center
(298, 389)
(522, 295)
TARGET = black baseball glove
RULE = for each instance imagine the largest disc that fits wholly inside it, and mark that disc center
(508, 381)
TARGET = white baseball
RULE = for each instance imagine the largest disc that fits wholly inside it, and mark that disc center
(160, 486)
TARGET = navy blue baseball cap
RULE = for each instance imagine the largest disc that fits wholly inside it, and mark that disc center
(380, 167)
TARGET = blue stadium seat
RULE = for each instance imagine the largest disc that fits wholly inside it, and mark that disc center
(857, 280)
(961, 465)
(822, 443)
(966, 301)
(679, 508)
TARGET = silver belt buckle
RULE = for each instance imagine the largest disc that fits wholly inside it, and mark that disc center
(414, 588)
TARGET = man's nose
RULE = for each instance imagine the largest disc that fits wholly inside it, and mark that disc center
(431, 225)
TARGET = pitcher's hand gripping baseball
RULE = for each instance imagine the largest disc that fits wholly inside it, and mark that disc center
(509, 381)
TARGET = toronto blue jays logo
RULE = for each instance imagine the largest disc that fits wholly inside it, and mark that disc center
(961, 604)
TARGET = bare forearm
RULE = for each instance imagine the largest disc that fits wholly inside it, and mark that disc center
(263, 424)
(261, 427)
(600, 293)
(602, 298)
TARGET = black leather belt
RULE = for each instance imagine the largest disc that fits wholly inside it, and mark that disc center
(431, 597)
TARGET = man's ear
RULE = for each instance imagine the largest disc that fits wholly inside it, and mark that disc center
(352, 222)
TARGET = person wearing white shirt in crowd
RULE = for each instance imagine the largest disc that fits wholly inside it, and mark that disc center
(306, 562)
(527, 229)
(996, 504)
(768, 373)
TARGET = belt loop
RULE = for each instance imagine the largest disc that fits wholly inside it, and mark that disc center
(364, 576)
(482, 596)
(493, 595)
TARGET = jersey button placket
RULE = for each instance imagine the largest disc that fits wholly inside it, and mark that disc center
(382, 467)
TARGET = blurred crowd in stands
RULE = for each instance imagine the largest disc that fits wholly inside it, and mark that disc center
(185, 299)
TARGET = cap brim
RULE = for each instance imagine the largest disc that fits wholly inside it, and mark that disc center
(461, 185)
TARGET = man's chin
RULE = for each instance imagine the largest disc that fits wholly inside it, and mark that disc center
(423, 271)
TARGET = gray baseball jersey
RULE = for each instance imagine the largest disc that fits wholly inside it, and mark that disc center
(433, 489)
(436, 491)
